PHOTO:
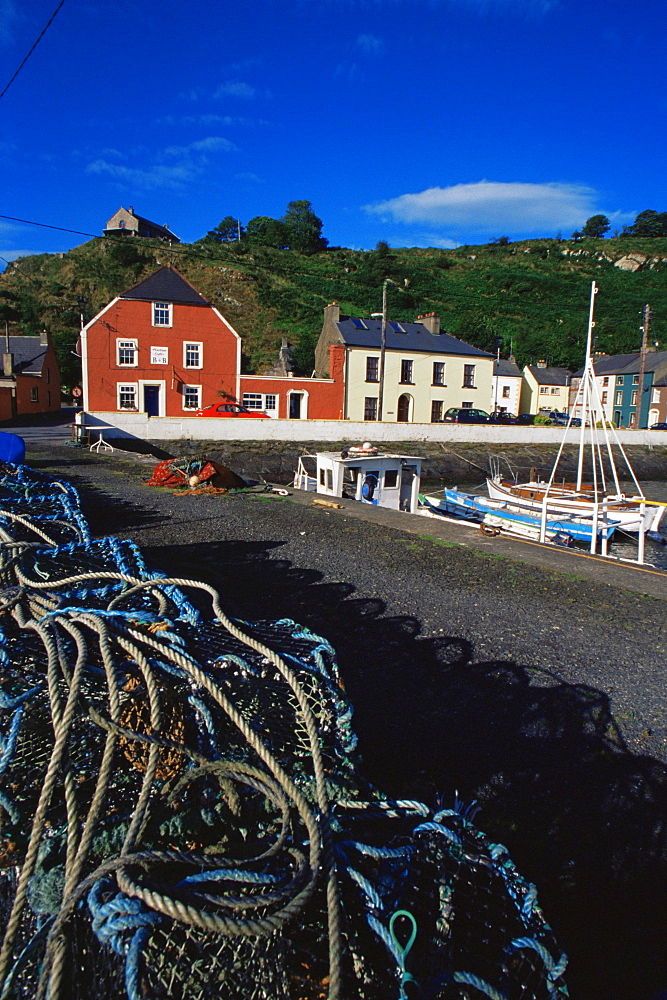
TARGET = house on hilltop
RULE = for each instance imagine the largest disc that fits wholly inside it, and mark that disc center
(126, 223)
(30, 377)
(544, 388)
(427, 371)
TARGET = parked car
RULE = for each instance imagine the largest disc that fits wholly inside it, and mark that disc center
(503, 417)
(658, 427)
(525, 418)
(561, 419)
(465, 415)
(230, 410)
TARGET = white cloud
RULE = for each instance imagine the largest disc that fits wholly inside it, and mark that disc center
(146, 178)
(211, 144)
(211, 119)
(253, 178)
(8, 14)
(185, 163)
(371, 45)
(234, 88)
(535, 8)
(495, 207)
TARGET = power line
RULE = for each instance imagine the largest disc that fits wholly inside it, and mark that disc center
(33, 47)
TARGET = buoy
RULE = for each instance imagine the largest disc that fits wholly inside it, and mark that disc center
(194, 481)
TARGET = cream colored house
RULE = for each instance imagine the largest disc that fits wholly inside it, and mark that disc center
(544, 388)
(426, 370)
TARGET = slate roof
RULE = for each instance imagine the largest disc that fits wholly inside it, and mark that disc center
(164, 231)
(28, 354)
(621, 364)
(507, 369)
(653, 360)
(611, 365)
(165, 285)
(549, 376)
(416, 338)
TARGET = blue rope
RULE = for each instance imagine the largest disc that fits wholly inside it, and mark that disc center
(124, 925)
(480, 984)
(554, 969)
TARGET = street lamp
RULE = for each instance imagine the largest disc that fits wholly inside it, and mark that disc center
(383, 343)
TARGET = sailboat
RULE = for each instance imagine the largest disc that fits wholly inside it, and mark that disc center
(601, 498)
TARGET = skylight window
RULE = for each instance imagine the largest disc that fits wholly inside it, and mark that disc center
(358, 324)
(396, 327)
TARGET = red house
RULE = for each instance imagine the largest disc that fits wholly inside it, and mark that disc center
(29, 378)
(161, 349)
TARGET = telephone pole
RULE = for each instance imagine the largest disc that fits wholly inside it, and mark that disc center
(642, 364)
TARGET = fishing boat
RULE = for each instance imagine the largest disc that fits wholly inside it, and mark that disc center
(601, 498)
(500, 515)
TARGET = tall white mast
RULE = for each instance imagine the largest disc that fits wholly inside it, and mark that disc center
(589, 375)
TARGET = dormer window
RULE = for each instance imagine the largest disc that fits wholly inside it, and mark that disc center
(162, 313)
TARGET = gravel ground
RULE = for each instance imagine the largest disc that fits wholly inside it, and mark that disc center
(538, 694)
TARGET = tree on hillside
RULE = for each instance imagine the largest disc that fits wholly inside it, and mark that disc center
(268, 232)
(647, 224)
(226, 231)
(597, 226)
(304, 228)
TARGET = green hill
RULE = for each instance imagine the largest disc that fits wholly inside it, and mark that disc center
(533, 294)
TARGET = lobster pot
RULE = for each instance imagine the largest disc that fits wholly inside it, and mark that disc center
(182, 814)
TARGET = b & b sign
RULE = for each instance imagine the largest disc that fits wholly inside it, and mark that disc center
(159, 355)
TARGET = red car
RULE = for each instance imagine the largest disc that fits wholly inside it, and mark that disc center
(230, 410)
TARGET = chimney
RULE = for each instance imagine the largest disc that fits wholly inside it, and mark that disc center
(332, 312)
(542, 363)
(131, 210)
(8, 364)
(431, 321)
(44, 338)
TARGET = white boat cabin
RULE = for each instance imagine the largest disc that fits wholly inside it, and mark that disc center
(384, 480)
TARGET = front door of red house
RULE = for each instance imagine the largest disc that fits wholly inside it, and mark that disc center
(152, 400)
(295, 399)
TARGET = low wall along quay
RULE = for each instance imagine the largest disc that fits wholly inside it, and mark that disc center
(453, 452)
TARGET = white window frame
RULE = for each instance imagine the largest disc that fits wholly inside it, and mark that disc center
(199, 344)
(161, 309)
(442, 381)
(127, 343)
(122, 388)
(253, 400)
(34, 394)
(197, 405)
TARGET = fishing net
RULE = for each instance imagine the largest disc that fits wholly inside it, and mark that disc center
(181, 811)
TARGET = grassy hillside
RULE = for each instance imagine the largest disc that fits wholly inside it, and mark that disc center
(533, 294)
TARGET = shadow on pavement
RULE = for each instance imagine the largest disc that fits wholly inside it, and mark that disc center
(582, 817)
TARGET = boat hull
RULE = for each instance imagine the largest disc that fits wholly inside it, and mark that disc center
(529, 498)
(499, 515)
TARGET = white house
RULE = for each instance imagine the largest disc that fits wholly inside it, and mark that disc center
(506, 386)
(426, 370)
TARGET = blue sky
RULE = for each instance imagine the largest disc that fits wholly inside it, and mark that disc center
(419, 122)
